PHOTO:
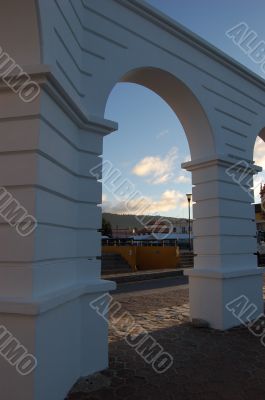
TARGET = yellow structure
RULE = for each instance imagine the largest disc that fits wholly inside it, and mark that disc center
(143, 258)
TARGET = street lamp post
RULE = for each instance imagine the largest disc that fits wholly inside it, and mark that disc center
(189, 195)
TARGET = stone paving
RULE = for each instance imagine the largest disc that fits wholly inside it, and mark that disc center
(208, 365)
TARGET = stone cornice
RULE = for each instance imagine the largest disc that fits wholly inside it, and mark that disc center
(221, 160)
(39, 305)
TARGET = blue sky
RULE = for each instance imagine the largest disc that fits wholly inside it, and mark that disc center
(150, 144)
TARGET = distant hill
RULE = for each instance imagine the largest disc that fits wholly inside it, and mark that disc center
(125, 221)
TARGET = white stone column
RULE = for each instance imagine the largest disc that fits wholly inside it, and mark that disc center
(224, 241)
(47, 279)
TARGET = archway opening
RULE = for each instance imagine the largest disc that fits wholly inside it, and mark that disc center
(147, 150)
(161, 125)
(182, 101)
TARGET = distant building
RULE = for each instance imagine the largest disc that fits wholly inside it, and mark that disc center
(180, 226)
(123, 233)
(154, 226)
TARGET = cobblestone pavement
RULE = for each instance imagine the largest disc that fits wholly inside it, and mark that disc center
(208, 365)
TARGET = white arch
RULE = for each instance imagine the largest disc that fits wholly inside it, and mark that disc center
(182, 101)
(77, 50)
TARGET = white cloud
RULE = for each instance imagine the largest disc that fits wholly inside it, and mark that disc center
(162, 134)
(169, 200)
(259, 157)
(104, 198)
(105, 203)
(186, 158)
(158, 170)
(183, 179)
(259, 152)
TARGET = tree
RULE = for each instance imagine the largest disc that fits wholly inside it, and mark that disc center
(106, 228)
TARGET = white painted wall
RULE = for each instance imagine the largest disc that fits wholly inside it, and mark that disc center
(77, 51)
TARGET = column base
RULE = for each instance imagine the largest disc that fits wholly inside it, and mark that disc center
(67, 337)
(210, 291)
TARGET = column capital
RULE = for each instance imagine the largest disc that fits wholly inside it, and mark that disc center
(222, 160)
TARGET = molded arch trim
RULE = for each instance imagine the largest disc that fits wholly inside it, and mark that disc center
(183, 102)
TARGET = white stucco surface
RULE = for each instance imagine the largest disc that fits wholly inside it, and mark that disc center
(77, 51)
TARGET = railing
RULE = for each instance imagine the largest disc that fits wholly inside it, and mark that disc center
(183, 244)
